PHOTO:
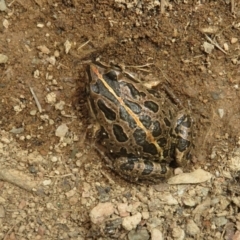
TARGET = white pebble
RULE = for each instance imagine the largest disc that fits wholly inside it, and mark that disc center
(67, 46)
(40, 25)
(3, 58)
(51, 98)
(61, 130)
(33, 112)
(221, 112)
(225, 46)
(47, 182)
(54, 159)
(234, 40)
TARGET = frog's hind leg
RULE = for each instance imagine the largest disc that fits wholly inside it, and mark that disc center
(140, 170)
(182, 130)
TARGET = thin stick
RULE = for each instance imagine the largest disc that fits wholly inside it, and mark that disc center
(140, 66)
(232, 6)
(215, 44)
(61, 176)
(36, 100)
(83, 45)
(10, 4)
(162, 6)
(9, 232)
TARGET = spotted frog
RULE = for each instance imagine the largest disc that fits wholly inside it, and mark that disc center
(142, 133)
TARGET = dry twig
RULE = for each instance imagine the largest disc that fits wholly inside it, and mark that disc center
(215, 44)
(83, 45)
(36, 100)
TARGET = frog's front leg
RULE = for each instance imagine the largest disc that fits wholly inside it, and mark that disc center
(136, 169)
(182, 131)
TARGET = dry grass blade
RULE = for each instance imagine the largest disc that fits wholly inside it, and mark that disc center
(36, 100)
(215, 44)
(83, 45)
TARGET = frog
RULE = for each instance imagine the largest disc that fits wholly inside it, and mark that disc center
(143, 134)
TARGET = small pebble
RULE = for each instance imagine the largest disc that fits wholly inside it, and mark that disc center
(225, 47)
(189, 202)
(233, 40)
(47, 182)
(54, 159)
(61, 130)
(2, 212)
(3, 58)
(138, 235)
(131, 222)
(208, 47)
(6, 23)
(33, 112)
(192, 228)
(3, 6)
(67, 46)
(51, 98)
(40, 25)
(220, 112)
(36, 74)
(43, 49)
(99, 213)
(156, 234)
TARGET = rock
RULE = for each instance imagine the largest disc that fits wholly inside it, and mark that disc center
(99, 213)
(154, 222)
(233, 40)
(47, 182)
(188, 202)
(197, 176)
(236, 236)
(122, 209)
(192, 228)
(168, 199)
(145, 215)
(60, 105)
(2, 212)
(178, 233)
(138, 235)
(61, 130)
(71, 193)
(156, 234)
(43, 49)
(3, 58)
(67, 46)
(131, 222)
(3, 6)
(51, 98)
(220, 221)
(234, 161)
(208, 47)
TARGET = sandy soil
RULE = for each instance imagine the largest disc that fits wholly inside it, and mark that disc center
(52, 179)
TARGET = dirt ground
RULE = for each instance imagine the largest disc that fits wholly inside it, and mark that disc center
(53, 183)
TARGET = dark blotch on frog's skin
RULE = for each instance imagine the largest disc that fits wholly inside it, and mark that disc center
(145, 120)
(100, 89)
(136, 108)
(109, 113)
(183, 144)
(119, 133)
(127, 118)
(157, 131)
(162, 142)
(134, 92)
(152, 106)
(148, 168)
(140, 138)
(167, 122)
(111, 79)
